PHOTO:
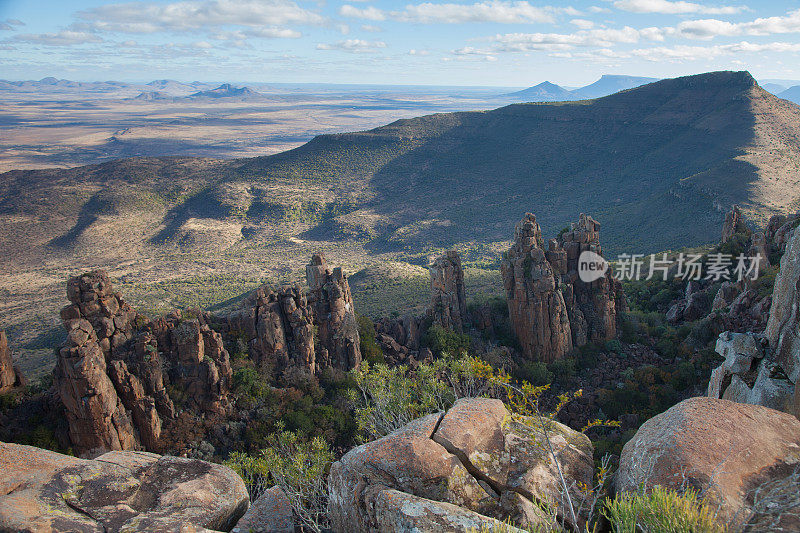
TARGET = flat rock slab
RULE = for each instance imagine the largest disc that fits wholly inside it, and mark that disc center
(118, 491)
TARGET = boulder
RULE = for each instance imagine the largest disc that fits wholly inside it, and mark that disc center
(724, 449)
(448, 307)
(739, 350)
(119, 491)
(725, 296)
(473, 463)
(270, 513)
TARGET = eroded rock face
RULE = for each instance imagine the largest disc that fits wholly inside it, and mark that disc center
(448, 307)
(734, 223)
(334, 315)
(98, 421)
(551, 308)
(724, 448)
(119, 491)
(536, 306)
(270, 513)
(10, 375)
(465, 467)
(783, 326)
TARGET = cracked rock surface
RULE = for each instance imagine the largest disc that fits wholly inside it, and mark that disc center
(473, 465)
(118, 491)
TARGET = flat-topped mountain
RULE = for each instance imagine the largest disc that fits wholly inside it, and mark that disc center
(609, 84)
(792, 94)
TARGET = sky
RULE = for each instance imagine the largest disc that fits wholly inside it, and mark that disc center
(481, 43)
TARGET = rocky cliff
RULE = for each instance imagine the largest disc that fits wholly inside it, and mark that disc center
(10, 375)
(448, 307)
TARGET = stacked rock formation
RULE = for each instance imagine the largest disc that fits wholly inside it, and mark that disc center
(10, 375)
(400, 338)
(448, 306)
(278, 326)
(734, 223)
(592, 306)
(110, 375)
(334, 315)
(551, 308)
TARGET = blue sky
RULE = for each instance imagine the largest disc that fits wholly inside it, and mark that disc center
(491, 42)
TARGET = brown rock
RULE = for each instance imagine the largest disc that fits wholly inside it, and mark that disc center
(723, 448)
(476, 462)
(448, 307)
(783, 325)
(535, 303)
(734, 223)
(334, 314)
(270, 513)
(119, 491)
(10, 375)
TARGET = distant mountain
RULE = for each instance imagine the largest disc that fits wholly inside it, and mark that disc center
(544, 92)
(773, 88)
(148, 96)
(172, 87)
(226, 90)
(609, 84)
(792, 94)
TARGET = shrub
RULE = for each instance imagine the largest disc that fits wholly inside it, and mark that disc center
(298, 466)
(562, 369)
(535, 372)
(370, 350)
(614, 346)
(443, 341)
(662, 510)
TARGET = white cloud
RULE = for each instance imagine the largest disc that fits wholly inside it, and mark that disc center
(62, 38)
(142, 17)
(710, 28)
(353, 45)
(582, 23)
(368, 13)
(414, 52)
(525, 42)
(9, 24)
(674, 7)
(491, 11)
(371, 28)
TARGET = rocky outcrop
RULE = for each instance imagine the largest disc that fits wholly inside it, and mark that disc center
(551, 308)
(98, 421)
(734, 223)
(448, 307)
(536, 306)
(592, 306)
(10, 374)
(270, 513)
(457, 470)
(779, 229)
(783, 326)
(119, 491)
(400, 339)
(278, 327)
(724, 449)
(334, 315)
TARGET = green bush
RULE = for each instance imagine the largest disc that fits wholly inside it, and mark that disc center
(562, 369)
(614, 346)
(443, 341)
(535, 372)
(370, 350)
(661, 511)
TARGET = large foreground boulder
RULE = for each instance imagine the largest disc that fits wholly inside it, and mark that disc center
(725, 450)
(129, 491)
(457, 470)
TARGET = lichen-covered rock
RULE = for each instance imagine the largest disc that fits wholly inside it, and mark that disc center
(474, 462)
(124, 492)
(536, 306)
(270, 513)
(722, 448)
(334, 314)
(448, 307)
(10, 375)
